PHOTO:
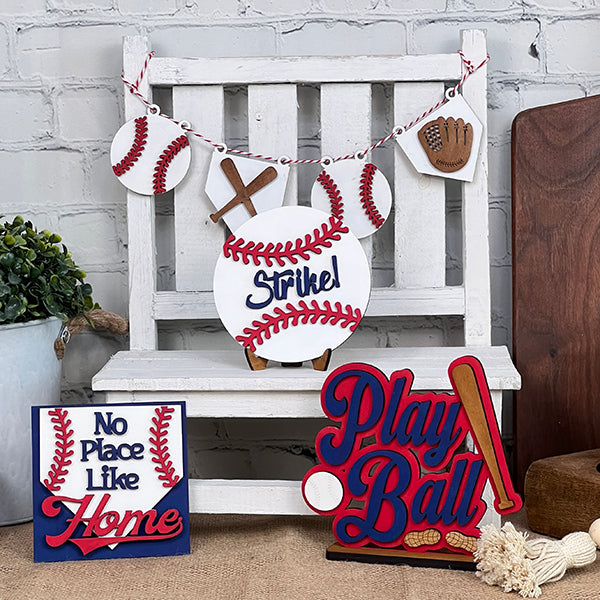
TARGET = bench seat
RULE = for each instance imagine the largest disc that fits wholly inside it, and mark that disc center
(206, 379)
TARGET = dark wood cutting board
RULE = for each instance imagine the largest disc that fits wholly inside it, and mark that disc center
(556, 279)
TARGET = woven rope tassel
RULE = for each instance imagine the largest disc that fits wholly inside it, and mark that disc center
(508, 559)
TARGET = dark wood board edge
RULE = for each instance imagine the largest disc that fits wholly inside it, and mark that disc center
(436, 560)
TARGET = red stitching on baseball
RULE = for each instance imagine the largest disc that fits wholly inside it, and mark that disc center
(239, 249)
(282, 319)
(62, 443)
(165, 159)
(335, 197)
(366, 195)
(158, 439)
(139, 143)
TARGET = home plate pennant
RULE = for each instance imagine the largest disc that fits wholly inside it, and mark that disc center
(446, 143)
(242, 187)
(356, 192)
(109, 481)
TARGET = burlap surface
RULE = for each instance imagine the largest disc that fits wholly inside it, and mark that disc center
(239, 557)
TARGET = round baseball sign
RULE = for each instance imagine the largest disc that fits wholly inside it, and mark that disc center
(150, 154)
(291, 283)
(355, 192)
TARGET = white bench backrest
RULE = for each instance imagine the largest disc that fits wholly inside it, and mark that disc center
(419, 225)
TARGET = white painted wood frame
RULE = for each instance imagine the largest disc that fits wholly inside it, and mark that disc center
(219, 384)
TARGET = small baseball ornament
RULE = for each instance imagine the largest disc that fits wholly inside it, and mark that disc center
(150, 154)
(447, 144)
(355, 192)
(292, 283)
(241, 187)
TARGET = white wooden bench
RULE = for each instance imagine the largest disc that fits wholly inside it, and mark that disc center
(218, 384)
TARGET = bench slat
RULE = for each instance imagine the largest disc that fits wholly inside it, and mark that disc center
(198, 241)
(420, 226)
(476, 267)
(273, 127)
(173, 306)
(241, 496)
(140, 218)
(168, 71)
(346, 125)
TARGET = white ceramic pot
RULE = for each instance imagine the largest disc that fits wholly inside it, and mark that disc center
(30, 375)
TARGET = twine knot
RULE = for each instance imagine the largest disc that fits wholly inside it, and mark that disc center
(94, 318)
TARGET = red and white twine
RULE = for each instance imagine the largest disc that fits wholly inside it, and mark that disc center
(470, 68)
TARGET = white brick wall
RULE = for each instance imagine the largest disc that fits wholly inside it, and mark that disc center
(61, 102)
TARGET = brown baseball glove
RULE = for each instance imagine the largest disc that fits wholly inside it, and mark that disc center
(447, 143)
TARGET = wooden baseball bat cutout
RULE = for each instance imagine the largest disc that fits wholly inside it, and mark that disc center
(469, 383)
(243, 192)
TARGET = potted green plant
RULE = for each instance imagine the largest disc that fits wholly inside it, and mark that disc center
(40, 288)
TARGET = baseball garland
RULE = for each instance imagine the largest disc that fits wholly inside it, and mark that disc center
(148, 164)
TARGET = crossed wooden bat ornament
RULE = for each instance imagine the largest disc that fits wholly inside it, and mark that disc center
(243, 192)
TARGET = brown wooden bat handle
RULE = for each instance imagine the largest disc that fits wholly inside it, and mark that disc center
(231, 204)
(470, 395)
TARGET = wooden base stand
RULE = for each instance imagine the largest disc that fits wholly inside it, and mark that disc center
(256, 363)
(322, 363)
(368, 554)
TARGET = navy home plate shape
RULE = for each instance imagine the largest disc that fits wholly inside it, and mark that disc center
(109, 481)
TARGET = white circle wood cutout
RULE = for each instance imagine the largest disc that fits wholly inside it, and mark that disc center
(356, 193)
(150, 154)
(292, 283)
(323, 491)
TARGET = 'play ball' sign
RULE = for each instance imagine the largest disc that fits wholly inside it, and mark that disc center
(109, 481)
(394, 469)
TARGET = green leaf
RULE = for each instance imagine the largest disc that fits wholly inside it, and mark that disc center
(14, 308)
(7, 259)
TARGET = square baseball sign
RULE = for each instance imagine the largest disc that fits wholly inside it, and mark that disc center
(109, 481)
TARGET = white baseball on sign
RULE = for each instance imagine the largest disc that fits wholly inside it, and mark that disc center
(355, 192)
(292, 283)
(150, 154)
(323, 491)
